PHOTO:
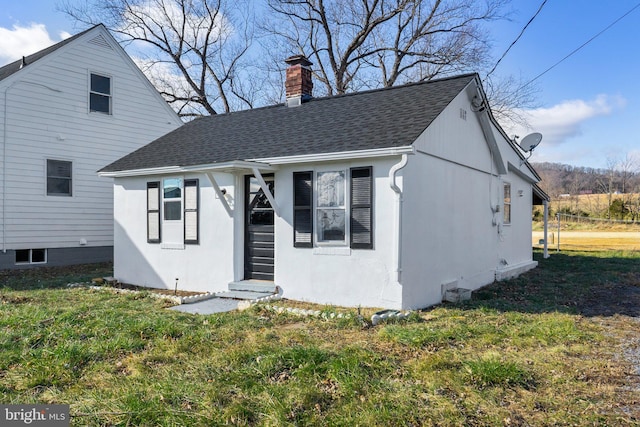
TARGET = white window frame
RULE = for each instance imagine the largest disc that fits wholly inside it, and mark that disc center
(173, 199)
(506, 203)
(30, 262)
(109, 95)
(345, 208)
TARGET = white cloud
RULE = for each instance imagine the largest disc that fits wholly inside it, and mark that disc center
(561, 122)
(21, 41)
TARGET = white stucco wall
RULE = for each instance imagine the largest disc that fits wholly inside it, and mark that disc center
(328, 275)
(451, 232)
(208, 266)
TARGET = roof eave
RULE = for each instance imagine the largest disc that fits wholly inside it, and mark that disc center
(340, 155)
(263, 164)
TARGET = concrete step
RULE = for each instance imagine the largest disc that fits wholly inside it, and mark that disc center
(243, 295)
(253, 285)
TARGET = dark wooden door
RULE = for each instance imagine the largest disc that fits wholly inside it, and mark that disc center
(259, 231)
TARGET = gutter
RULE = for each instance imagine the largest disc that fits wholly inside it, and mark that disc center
(398, 214)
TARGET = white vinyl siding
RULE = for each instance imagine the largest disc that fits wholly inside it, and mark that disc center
(47, 117)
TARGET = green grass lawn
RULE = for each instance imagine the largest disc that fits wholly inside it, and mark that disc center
(544, 349)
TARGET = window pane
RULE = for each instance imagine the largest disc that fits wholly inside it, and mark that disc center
(58, 168)
(172, 211)
(100, 84)
(59, 186)
(507, 214)
(172, 188)
(331, 189)
(99, 103)
(22, 256)
(38, 255)
(331, 225)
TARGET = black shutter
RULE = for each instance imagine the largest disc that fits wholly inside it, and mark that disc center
(191, 212)
(153, 212)
(303, 209)
(361, 208)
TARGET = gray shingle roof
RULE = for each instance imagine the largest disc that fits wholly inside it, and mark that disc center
(384, 118)
(16, 66)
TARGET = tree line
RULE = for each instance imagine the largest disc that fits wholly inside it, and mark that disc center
(611, 192)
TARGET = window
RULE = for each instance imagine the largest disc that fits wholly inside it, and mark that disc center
(100, 94)
(172, 199)
(31, 256)
(153, 212)
(507, 204)
(336, 220)
(59, 176)
(330, 207)
(191, 222)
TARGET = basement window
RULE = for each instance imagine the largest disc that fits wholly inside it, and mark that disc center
(31, 256)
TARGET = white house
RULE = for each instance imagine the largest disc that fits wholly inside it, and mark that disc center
(65, 112)
(381, 198)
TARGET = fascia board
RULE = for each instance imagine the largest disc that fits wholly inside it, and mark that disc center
(342, 155)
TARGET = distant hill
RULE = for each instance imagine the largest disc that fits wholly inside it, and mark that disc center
(560, 180)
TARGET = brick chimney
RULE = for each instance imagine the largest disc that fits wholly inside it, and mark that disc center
(298, 84)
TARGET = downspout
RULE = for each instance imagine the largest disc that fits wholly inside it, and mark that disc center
(545, 252)
(398, 215)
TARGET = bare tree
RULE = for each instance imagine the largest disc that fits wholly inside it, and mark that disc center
(358, 44)
(192, 50)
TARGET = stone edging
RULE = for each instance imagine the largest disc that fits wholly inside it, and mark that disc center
(173, 298)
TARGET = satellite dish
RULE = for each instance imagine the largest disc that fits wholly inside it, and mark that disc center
(530, 142)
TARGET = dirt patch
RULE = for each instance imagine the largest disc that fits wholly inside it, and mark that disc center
(170, 292)
(612, 299)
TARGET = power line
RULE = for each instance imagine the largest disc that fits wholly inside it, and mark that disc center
(580, 47)
(516, 40)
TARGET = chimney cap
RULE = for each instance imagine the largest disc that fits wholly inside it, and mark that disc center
(298, 59)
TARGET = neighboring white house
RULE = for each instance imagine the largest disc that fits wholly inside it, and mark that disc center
(380, 198)
(65, 112)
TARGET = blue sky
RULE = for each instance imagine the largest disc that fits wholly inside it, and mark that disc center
(588, 107)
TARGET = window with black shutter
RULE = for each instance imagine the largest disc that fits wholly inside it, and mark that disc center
(153, 212)
(361, 208)
(303, 209)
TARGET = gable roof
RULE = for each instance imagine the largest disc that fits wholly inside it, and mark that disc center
(384, 118)
(16, 66)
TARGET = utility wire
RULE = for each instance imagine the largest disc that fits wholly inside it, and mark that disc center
(579, 47)
(516, 40)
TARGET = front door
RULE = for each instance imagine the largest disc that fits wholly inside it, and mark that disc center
(259, 237)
